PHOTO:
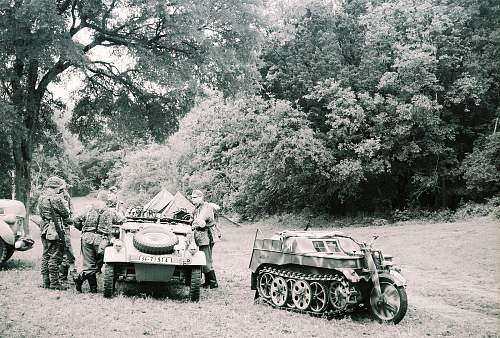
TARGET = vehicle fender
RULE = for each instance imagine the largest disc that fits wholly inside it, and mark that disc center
(199, 258)
(6, 233)
(111, 255)
(351, 275)
(253, 281)
(393, 276)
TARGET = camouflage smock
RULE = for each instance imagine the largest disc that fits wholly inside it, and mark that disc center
(203, 222)
(47, 202)
(97, 219)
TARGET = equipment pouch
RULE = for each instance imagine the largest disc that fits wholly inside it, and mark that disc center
(216, 233)
(51, 233)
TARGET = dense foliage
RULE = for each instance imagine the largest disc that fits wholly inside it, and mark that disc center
(140, 64)
(338, 106)
(371, 106)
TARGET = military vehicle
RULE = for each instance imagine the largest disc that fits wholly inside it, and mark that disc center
(326, 273)
(153, 250)
(13, 224)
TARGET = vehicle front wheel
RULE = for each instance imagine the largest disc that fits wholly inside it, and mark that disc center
(392, 304)
(194, 288)
(109, 280)
(6, 251)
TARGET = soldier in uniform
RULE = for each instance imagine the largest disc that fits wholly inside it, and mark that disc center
(95, 226)
(68, 262)
(203, 227)
(55, 215)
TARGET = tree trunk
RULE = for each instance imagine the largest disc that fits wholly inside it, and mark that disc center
(444, 193)
(22, 154)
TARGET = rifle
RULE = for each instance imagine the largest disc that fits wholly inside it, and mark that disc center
(59, 230)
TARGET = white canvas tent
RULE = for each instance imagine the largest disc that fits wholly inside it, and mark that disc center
(159, 202)
(178, 202)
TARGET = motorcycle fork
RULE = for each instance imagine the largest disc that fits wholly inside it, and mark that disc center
(373, 272)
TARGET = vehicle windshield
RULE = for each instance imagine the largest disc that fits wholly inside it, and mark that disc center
(348, 245)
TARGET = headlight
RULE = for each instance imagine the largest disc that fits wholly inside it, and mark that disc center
(117, 244)
(193, 249)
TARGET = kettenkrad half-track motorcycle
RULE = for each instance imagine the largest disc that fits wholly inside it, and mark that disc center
(327, 274)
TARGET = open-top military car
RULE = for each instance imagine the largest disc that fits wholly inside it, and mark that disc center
(13, 225)
(327, 274)
(153, 250)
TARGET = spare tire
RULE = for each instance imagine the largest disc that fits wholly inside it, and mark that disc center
(155, 240)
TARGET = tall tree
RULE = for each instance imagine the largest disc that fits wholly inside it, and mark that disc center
(400, 89)
(137, 58)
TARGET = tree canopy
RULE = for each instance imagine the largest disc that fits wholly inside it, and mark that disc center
(371, 105)
(141, 63)
(330, 105)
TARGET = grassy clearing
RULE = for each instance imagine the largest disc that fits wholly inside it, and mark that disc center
(452, 269)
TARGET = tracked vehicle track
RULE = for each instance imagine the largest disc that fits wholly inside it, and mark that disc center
(319, 295)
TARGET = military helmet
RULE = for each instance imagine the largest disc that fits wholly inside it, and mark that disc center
(54, 182)
(196, 193)
(107, 198)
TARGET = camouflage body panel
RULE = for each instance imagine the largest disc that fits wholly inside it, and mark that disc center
(326, 274)
(314, 252)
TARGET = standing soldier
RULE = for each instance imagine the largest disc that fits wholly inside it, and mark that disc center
(55, 215)
(95, 226)
(68, 262)
(203, 227)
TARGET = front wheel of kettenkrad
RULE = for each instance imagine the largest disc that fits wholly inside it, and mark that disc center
(391, 306)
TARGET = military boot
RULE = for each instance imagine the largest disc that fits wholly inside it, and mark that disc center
(55, 284)
(213, 280)
(72, 272)
(63, 272)
(45, 282)
(93, 283)
(79, 279)
(206, 282)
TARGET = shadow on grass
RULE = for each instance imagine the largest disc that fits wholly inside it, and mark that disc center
(17, 264)
(155, 290)
(359, 315)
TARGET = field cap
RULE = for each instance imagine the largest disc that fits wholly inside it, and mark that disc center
(54, 182)
(196, 193)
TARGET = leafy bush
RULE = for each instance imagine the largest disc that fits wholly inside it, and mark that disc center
(444, 215)
(473, 209)
(480, 168)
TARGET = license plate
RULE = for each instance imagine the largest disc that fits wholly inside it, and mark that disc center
(162, 259)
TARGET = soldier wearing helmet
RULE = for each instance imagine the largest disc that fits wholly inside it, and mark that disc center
(54, 213)
(95, 226)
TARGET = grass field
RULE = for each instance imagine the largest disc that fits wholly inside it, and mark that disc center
(453, 290)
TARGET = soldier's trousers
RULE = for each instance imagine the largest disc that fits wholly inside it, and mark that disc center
(93, 246)
(68, 254)
(51, 258)
(207, 249)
